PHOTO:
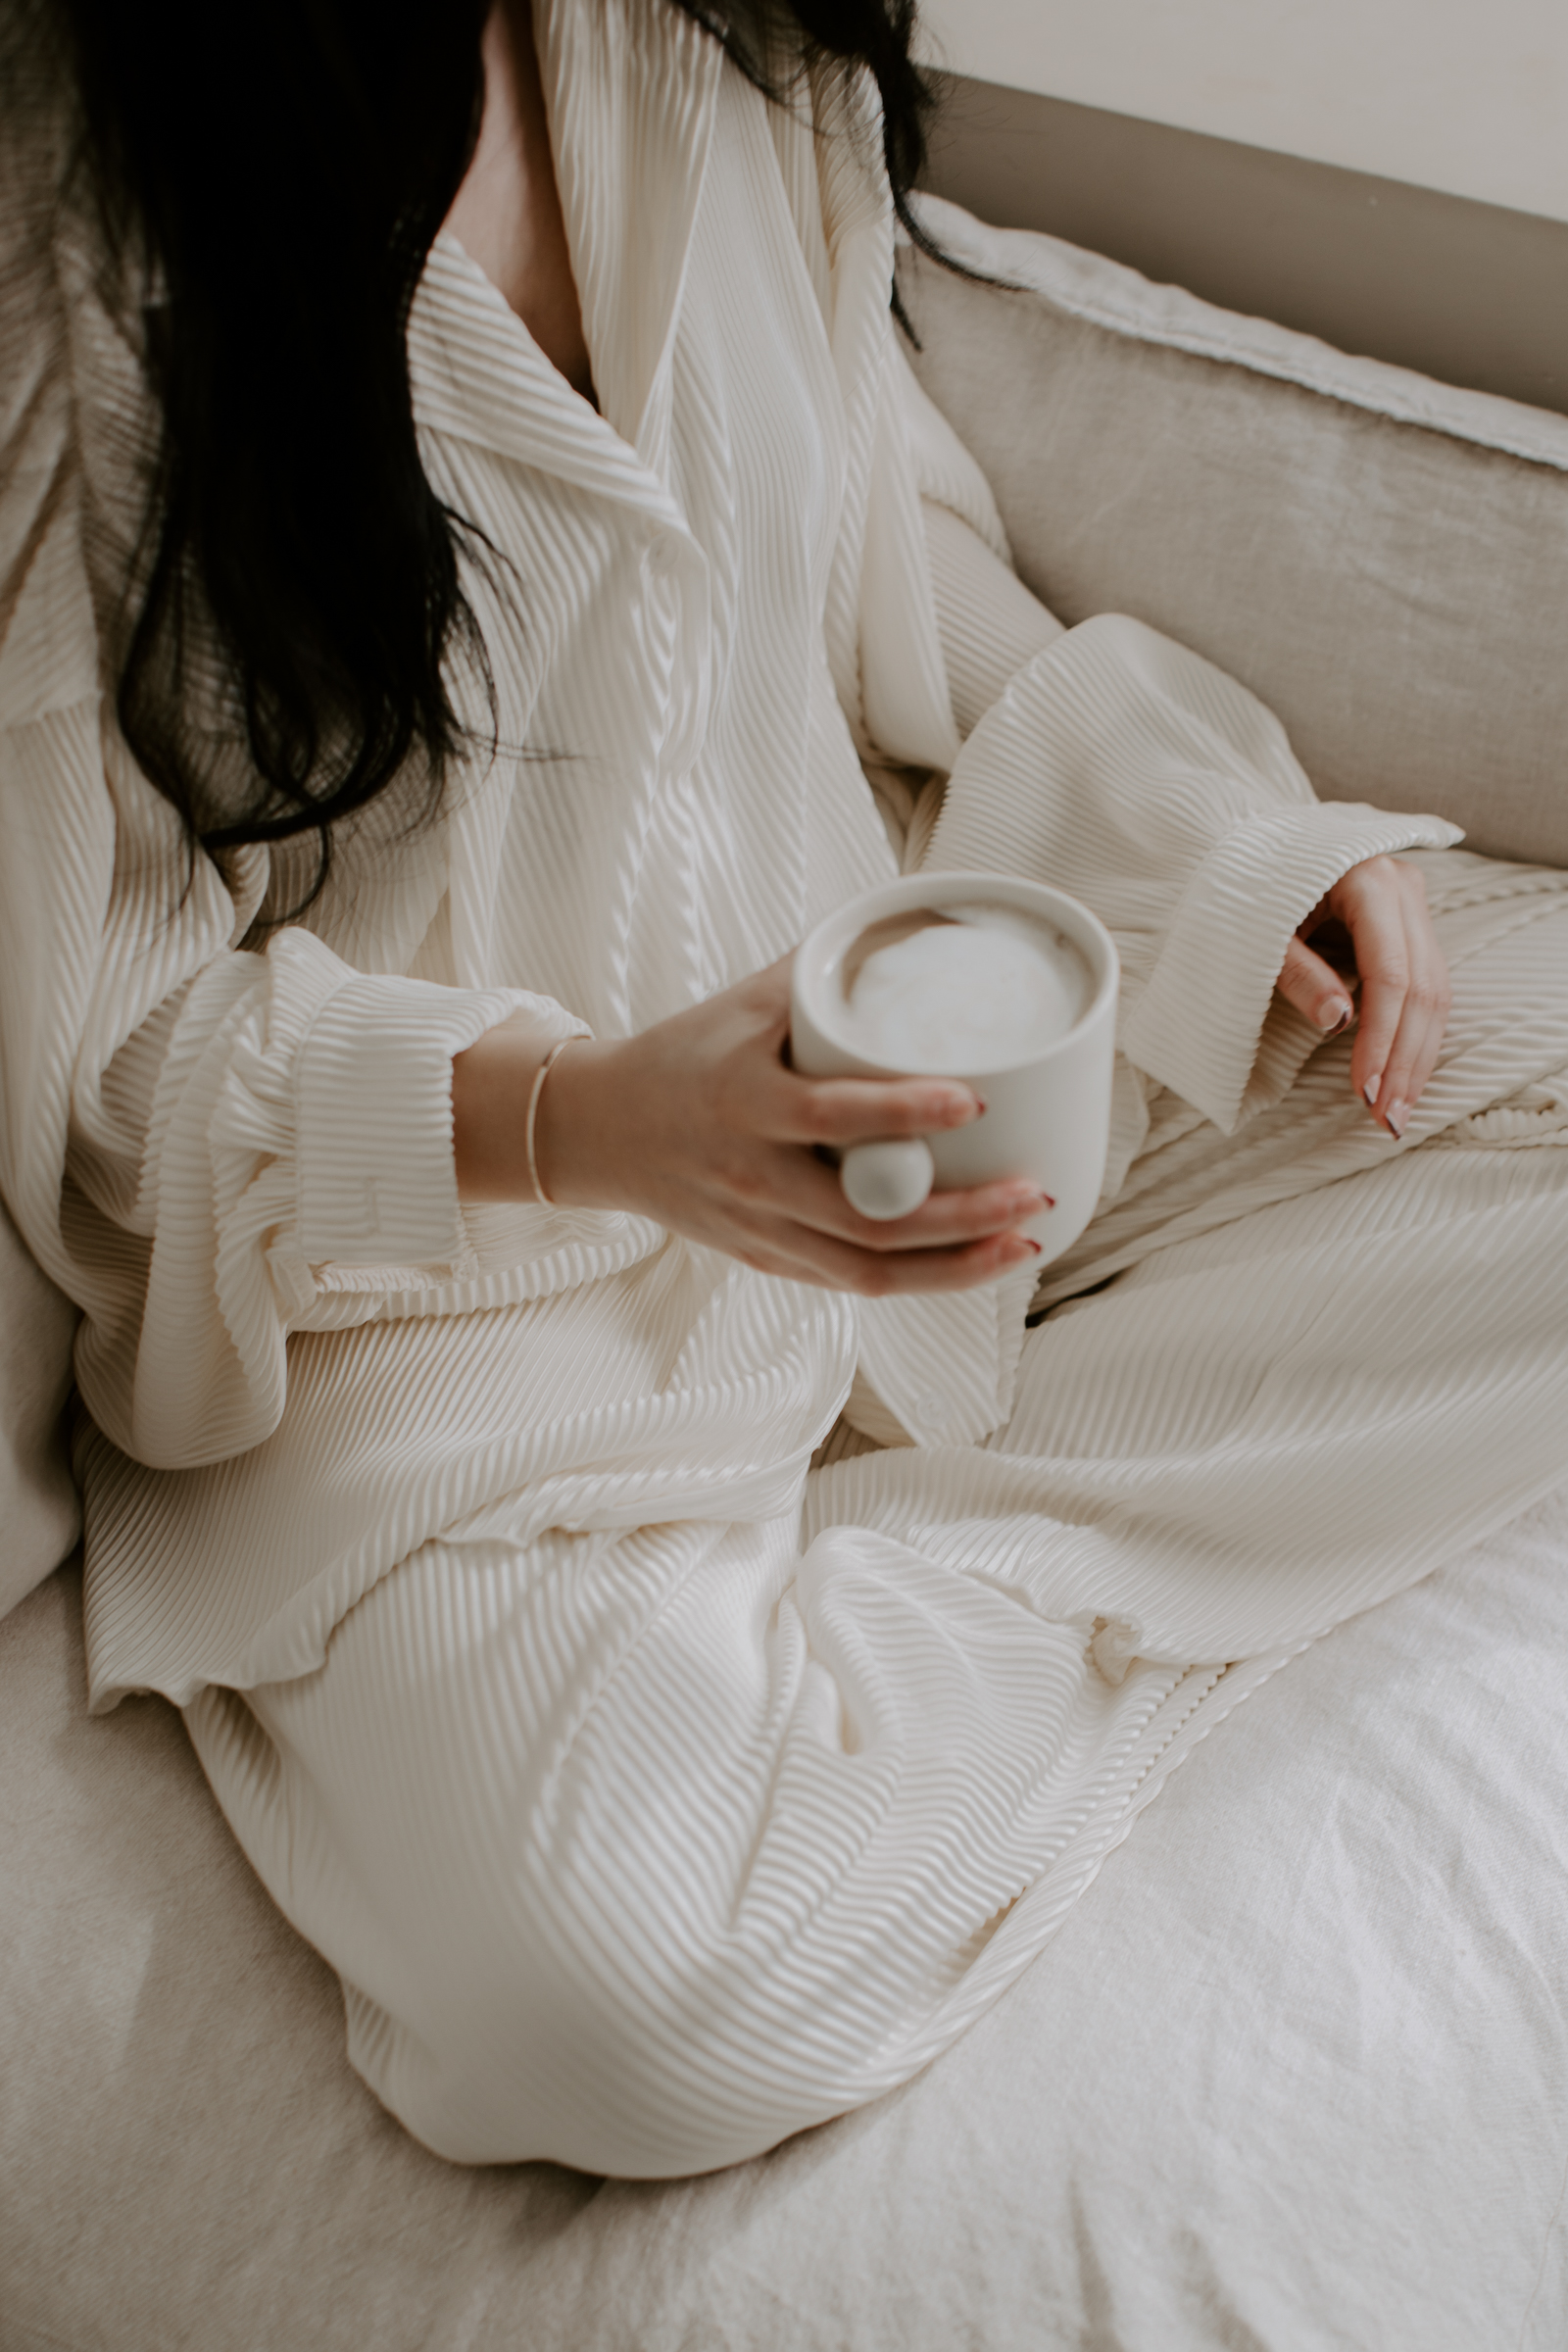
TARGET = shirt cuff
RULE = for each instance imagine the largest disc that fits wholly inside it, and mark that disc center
(1197, 1023)
(375, 1181)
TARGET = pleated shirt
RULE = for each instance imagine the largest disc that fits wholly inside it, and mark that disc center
(722, 610)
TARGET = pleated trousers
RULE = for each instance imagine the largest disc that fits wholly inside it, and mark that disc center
(641, 1850)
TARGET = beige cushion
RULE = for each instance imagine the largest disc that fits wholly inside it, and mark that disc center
(1382, 559)
(39, 1519)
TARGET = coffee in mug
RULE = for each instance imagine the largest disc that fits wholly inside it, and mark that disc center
(1004, 984)
(968, 987)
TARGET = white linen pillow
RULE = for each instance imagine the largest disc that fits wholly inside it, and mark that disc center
(39, 1515)
(1382, 559)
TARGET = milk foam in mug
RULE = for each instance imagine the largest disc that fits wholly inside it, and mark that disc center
(1005, 984)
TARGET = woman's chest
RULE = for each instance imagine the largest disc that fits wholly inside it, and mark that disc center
(670, 751)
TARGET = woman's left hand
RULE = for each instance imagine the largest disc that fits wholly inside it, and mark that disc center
(1382, 906)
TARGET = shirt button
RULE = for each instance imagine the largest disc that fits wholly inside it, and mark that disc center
(931, 1410)
(663, 554)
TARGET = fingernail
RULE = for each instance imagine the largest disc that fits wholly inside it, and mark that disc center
(1335, 1015)
(1019, 1248)
(1396, 1117)
(1370, 1090)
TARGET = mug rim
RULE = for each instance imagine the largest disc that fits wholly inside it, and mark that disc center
(825, 944)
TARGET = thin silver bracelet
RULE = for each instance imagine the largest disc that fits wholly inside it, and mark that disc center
(537, 1089)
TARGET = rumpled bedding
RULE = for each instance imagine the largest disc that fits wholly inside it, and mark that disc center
(1294, 2074)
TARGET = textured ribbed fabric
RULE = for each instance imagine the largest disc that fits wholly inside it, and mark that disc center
(646, 1818)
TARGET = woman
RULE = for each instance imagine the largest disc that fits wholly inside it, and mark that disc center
(453, 1397)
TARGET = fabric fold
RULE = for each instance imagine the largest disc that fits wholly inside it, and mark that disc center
(1199, 1017)
(302, 1115)
(374, 1183)
(1133, 775)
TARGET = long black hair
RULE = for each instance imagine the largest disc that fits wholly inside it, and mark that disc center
(277, 172)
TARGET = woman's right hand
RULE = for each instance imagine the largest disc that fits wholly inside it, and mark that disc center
(700, 1124)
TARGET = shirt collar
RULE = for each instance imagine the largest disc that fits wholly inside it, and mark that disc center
(631, 91)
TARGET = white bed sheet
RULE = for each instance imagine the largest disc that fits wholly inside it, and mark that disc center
(1294, 2075)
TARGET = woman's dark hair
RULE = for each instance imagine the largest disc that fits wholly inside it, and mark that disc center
(275, 171)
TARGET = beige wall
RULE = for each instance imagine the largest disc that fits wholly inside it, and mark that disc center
(1467, 96)
(1474, 293)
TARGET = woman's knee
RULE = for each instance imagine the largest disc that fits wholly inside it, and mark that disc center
(627, 2064)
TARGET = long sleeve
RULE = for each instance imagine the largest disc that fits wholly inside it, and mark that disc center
(987, 622)
(1122, 767)
(192, 1134)
(1113, 763)
(195, 1136)
(1129, 771)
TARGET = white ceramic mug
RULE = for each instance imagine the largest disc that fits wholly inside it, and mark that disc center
(1047, 1117)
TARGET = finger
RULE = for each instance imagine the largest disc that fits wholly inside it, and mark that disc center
(802, 1255)
(1417, 1043)
(1432, 984)
(1383, 959)
(769, 990)
(860, 1111)
(1398, 1090)
(815, 1198)
(1315, 989)
(1441, 1005)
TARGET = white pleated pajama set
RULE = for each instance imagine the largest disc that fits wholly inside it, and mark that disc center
(653, 1793)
